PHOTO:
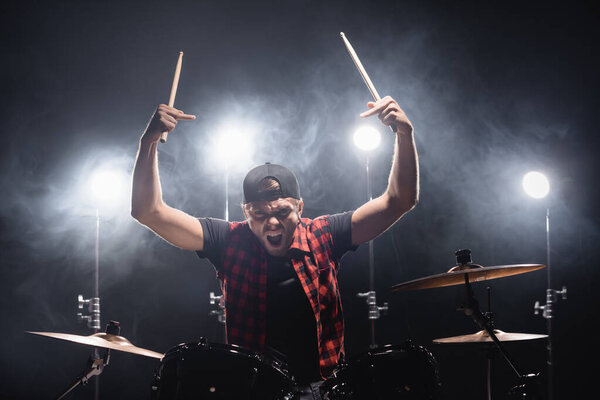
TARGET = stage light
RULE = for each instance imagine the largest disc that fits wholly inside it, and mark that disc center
(367, 138)
(107, 185)
(234, 147)
(536, 184)
(234, 151)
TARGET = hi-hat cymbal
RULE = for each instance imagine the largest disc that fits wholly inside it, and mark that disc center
(456, 276)
(484, 337)
(104, 340)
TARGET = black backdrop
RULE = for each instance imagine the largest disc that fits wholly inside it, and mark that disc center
(493, 91)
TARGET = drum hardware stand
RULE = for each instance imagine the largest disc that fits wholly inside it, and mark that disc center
(551, 298)
(471, 308)
(95, 364)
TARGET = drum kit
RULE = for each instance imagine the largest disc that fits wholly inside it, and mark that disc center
(207, 370)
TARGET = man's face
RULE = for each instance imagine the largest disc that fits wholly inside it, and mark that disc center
(274, 223)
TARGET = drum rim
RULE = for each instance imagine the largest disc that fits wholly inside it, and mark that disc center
(229, 348)
(338, 384)
(203, 342)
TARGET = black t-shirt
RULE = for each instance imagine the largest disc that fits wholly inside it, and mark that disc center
(291, 327)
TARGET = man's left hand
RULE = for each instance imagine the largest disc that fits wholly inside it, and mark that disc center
(390, 114)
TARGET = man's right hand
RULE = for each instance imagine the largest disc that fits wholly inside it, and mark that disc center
(164, 119)
(147, 205)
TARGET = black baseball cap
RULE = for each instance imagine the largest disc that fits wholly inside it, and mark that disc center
(288, 183)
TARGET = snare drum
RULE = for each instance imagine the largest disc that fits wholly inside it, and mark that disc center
(389, 372)
(218, 371)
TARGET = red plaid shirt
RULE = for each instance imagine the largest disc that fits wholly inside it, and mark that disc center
(244, 283)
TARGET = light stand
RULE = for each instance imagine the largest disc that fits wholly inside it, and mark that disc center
(227, 193)
(219, 301)
(106, 186)
(93, 304)
(230, 146)
(536, 185)
(93, 319)
(368, 139)
(95, 364)
(547, 312)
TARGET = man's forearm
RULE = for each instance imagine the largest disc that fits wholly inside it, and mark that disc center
(403, 183)
(402, 192)
(173, 225)
(146, 195)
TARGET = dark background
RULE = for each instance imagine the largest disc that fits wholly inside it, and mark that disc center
(493, 91)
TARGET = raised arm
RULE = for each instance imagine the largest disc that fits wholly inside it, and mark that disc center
(147, 206)
(402, 192)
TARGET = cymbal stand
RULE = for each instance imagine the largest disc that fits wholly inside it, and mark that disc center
(471, 308)
(95, 364)
(94, 367)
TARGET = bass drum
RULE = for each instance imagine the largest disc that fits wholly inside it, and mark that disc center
(386, 373)
(215, 371)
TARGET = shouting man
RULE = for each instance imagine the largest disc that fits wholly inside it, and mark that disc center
(279, 270)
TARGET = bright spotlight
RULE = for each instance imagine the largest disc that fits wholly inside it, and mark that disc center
(367, 138)
(107, 184)
(234, 146)
(536, 184)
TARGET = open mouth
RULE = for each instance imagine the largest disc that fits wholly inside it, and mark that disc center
(275, 239)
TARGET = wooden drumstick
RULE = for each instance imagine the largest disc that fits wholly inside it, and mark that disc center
(363, 72)
(163, 137)
(360, 67)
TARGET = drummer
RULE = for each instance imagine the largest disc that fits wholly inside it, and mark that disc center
(279, 270)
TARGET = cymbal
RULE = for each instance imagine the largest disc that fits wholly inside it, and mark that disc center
(104, 340)
(456, 276)
(484, 337)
